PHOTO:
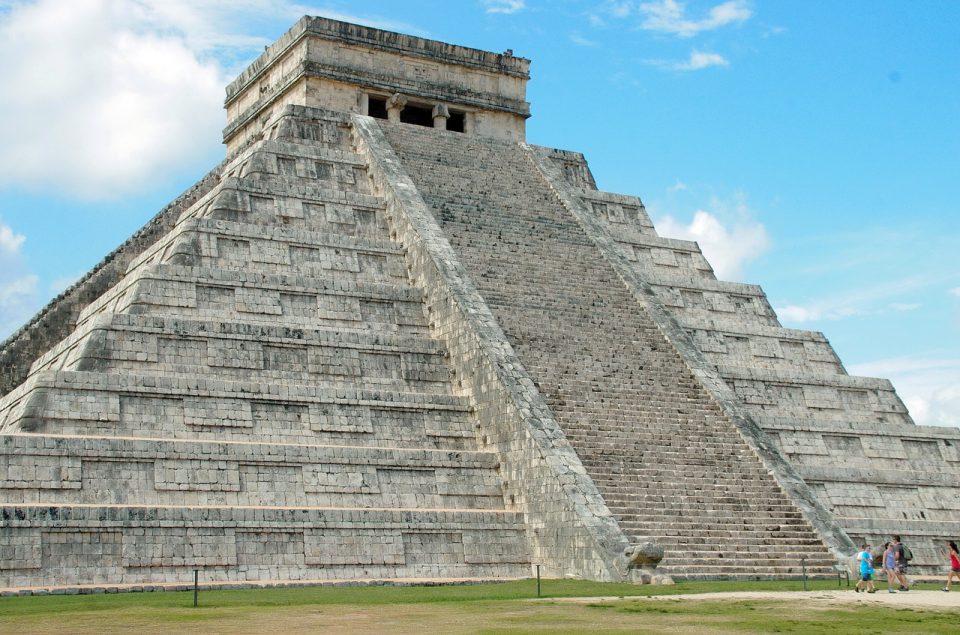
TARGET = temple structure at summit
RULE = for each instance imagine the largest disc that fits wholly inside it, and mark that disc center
(388, 340)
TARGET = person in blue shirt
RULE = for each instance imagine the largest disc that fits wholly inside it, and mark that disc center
(865, 558)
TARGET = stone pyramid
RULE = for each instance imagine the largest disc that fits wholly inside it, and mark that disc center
(386, 340)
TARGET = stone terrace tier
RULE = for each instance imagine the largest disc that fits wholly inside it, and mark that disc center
(668, 462)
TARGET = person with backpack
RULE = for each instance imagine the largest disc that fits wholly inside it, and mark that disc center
(954, 564)
(904, 556)
(865, 558)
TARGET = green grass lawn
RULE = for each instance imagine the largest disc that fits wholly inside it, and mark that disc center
(487, 608)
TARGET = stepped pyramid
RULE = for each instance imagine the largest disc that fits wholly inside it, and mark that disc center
(387, 340)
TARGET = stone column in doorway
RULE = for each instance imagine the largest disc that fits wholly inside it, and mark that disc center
(394, 105)
(440, 115)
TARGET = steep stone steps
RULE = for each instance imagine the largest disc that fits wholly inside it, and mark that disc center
(692, 488)
(627, 402)
(749, 570)
(709, 520)
(780, 540)
(628, 507)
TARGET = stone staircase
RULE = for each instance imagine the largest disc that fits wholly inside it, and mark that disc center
(849, 438)
(667, 461)
(260, 398)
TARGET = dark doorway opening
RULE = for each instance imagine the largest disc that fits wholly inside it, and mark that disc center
(377, 107)
(456, 122)
(417, 115)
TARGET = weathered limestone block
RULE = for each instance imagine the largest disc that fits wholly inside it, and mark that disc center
(29, 471)
(340, 418)
(802, 443)
(217, 412)
(20, 549)
(348, 547)
(196, 475)
(338, 479)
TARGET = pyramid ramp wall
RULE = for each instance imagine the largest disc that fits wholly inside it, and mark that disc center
(849, 438)
(669, 462)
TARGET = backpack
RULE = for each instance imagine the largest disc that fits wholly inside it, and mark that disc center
(907, 554)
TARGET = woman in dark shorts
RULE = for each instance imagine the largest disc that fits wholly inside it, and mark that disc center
(954, 564)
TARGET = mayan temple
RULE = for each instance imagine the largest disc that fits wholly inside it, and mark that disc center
(387, 340)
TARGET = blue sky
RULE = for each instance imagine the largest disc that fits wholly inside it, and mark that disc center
(810, 147)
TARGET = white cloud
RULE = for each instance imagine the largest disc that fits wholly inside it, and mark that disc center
(621, 9)
(728, 250)
(579, 40)
(874, 299)
(679, 186)
(699, 60)
(9, 241)
(97, 98)
(101, 96)
(797, 314)
(669, 16)
(929, 387)
(504, 6)
(954, 291)
(905, 306)
(18, 287)
(774, 31)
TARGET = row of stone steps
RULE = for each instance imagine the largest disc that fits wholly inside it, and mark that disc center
(626, 401)
(627, 506)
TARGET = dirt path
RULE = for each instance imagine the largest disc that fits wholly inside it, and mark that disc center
(925, 599)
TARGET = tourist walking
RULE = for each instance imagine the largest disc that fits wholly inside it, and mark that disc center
(954, 564)
(889, 563)
(902, 559)
(866, 570)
